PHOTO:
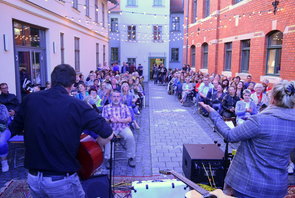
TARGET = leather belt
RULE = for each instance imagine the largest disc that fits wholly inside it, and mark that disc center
(54, 175)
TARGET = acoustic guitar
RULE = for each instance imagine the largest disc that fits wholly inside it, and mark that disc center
(198, 192)
(90, 156)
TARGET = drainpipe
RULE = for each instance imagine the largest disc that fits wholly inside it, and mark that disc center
(217, 37)
(187, 10)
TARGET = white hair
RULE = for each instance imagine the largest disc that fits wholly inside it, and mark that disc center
(283, 94)
(258, 85)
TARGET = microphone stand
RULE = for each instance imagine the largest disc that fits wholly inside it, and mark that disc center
(111, 166)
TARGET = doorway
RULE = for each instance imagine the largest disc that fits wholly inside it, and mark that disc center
(30, 56)
(31, 69)
(152, 61)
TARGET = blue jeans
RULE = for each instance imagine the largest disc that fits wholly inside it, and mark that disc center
(68, 187)
(4, 137)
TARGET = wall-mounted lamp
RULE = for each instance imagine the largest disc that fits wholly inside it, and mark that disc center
(275, 6)
(5, 43)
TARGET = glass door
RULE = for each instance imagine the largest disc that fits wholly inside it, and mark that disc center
(30, 70)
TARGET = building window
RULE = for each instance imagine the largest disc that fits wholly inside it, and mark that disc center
(157, 32)
(193, 56)
(245, 55)
(131, 61)
(87, 8)
(175, 26)
(131, 29)
(77, 54)
(274, 51)
(75, 4)
(95, 11)
(103, 14)
(158, 3)
(114, 54)
(131, 2)
(114, 24)
(174, 54)
(227, 56)
(205, 56)
(62, 48)
(206, 8)
(104, 54)
(97, 54)
(236, 1)
(194, 11)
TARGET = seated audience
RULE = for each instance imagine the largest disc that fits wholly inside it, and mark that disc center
(259, 98)
(229, 102)
(4, 137)
(245, 108)
(8, 99)
(119, 117)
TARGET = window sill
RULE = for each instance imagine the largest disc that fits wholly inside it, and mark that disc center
(272, 78)
(158, 6)
(174, 61)
(76, 10)
(131, 6)
(175, 31)
(158, 41)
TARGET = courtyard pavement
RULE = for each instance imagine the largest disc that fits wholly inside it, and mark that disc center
(165, 126)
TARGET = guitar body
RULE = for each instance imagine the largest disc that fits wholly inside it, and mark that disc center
(90, 156)
(218, 193)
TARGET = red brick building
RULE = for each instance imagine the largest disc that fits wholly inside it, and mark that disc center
(241, 37)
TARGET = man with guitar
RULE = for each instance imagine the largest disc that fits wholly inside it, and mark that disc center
(259, 168)
(52, 122)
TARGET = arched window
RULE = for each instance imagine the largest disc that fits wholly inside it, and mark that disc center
(193, 56)
(205, 56)
(274, 51)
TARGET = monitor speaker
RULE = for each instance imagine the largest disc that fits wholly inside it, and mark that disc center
(203, 163)
(97, 186)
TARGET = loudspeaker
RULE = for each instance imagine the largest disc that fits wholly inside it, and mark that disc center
(97, 186)
(202, 163)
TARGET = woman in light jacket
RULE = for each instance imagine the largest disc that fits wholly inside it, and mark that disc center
(258, 97)
(245, 108)
(259, 169)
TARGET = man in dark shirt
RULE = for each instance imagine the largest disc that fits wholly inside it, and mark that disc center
(52, 121)
(8, 99)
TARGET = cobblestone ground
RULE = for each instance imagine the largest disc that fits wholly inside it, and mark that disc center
(165, 127)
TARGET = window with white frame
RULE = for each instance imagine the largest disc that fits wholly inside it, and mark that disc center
(174, 54)
(157, 32)
(227, 56)
(114, 24)
(274, 52)
(114, 54)
(62, 48)
(206, 8)
(87, 8)
(205, 56)
(103, 14)
(75, 4)
(97, 54)
(158, 2)
(77, 54)
(194, 11)
(95, 11)
(175, 26)
(131, 2)
(245, 55)
(131, 30)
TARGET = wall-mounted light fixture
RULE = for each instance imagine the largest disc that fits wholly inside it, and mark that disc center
(275, 6)
(5, 43)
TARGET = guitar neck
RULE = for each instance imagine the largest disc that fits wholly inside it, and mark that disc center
(191, 184)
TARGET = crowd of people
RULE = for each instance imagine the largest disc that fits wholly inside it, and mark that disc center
(234, 99)
(116, 93)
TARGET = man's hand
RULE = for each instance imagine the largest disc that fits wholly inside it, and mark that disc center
(206, 107)
(11, 112)
(104, 141)
(114, 119)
